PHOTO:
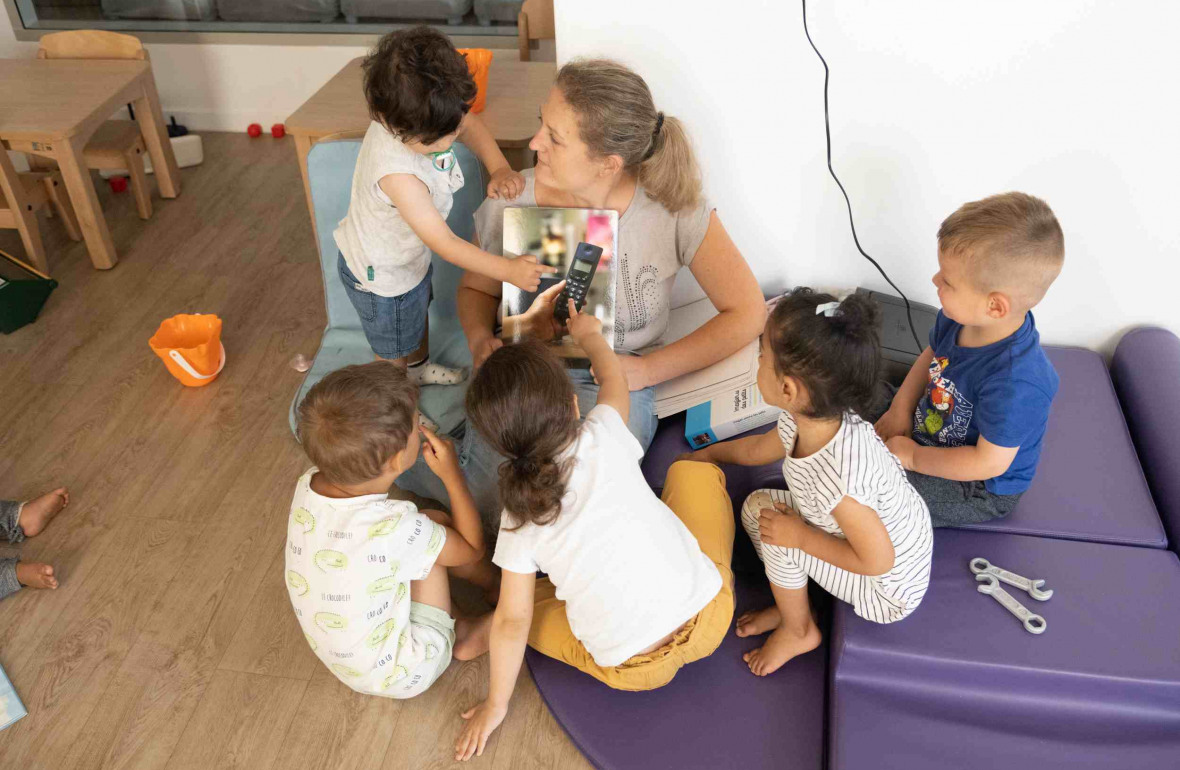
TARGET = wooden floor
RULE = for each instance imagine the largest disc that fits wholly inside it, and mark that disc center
(171, 642)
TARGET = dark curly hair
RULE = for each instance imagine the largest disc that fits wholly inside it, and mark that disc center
(417, 84)
(837, 358)
(522, 402)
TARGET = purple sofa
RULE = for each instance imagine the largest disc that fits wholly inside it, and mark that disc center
(960, 683)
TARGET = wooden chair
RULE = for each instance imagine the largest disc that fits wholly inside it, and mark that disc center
(535, 22)
(117, 144)
(22, 196)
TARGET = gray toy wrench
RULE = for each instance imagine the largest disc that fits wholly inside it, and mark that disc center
(982, 566)
(1034, 624)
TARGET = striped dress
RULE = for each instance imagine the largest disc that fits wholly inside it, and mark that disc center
(855, 464)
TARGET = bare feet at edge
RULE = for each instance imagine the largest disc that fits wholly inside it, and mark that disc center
(35, 575)
(760, 621)
(35, 514)
(780, 647)
(472, 636)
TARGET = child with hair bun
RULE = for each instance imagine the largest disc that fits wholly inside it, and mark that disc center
(850, 520)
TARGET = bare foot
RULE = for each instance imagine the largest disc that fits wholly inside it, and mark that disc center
(782, 645)
(35, 514)
(472, 636)
(34, 574)
(760, 621)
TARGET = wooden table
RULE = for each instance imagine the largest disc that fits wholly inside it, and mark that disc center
(516, 91)
(51, 107)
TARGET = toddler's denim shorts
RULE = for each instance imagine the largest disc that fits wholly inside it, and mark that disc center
(394, 326)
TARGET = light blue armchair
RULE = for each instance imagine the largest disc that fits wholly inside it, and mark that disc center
(329, 169)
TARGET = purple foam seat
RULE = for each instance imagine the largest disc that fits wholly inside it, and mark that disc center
(1089, 485)
(960, 683)
(1146, 366)
(714, 714)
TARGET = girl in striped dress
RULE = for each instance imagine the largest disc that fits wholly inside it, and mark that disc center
(850, 520)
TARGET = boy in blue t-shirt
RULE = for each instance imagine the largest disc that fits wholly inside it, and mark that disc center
(969, 420)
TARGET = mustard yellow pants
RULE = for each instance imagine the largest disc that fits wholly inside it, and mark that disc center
(696, 494)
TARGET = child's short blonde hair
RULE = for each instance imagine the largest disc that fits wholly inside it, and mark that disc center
(356, 418)
(1011, 242)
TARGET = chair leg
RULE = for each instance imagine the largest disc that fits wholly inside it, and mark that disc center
(139, 183)
(59, 202)
(30, 235)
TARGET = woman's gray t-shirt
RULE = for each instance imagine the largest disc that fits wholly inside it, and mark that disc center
(654, 244)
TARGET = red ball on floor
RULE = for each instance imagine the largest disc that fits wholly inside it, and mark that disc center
(254, 130)
(118, 184)
(278, 131)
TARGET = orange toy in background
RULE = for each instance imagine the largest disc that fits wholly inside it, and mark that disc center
(479, 61)
(190, 346)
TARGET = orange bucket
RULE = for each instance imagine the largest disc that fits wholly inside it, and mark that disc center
(479, 61)
(190, 346)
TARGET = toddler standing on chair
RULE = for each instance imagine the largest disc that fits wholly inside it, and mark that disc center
(418, 89)
(850, 520)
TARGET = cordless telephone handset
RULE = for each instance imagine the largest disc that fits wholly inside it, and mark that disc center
(577, 280)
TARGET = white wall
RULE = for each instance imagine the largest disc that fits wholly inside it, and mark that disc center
(933, 103)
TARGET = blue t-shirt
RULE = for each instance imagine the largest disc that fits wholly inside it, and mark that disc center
(1001, 391)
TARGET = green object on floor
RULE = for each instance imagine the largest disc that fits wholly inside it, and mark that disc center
(23, 291)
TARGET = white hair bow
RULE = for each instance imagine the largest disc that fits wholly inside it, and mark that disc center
(827, 309)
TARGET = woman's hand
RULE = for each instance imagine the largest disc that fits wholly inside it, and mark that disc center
(482, 721)
(506, 183)
(484, 348)
(781, 526)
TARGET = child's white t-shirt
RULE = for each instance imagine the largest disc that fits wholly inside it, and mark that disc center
(374, 234)
(349, 566)
(627, 568)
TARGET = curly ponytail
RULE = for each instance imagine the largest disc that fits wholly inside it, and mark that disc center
(837, 357)
(522, 402)
(617, 116)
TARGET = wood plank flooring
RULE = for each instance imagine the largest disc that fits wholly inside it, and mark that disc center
(170, 643)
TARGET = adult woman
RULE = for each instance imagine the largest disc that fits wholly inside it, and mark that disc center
(602, 144)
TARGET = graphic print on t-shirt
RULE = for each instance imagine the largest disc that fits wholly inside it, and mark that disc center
(943, 415)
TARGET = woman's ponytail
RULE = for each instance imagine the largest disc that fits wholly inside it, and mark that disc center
(617, 116)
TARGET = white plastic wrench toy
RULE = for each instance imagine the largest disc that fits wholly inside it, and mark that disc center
(982, 566)
(1033, 623)
(990, 576)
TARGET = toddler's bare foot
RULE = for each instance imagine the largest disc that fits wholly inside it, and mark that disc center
(35, 514)
(472, 636)
(35, 575)
(782, 645)
(760, 621)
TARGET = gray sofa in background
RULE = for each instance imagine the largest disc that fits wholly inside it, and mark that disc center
(173, 10)
(278, 10)
(452, 11)
(487, 11)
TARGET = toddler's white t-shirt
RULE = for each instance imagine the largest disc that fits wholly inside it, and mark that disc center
(627, 568)
(374, 234)
(349, 566)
